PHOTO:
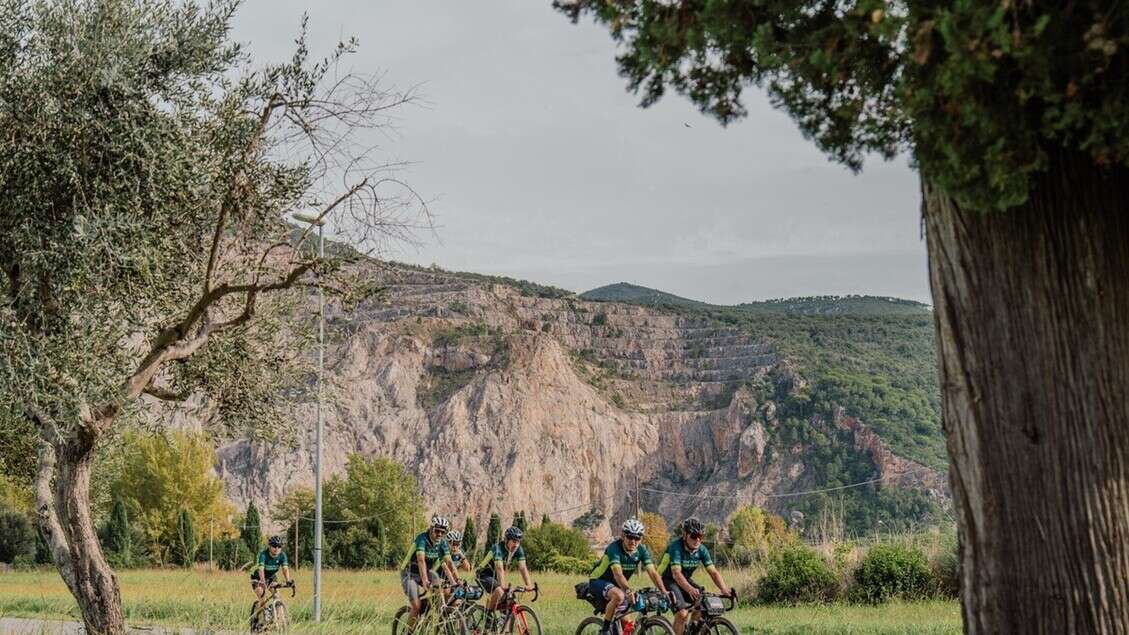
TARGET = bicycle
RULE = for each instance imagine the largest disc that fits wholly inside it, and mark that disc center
(519, 619)
(706, 615)
(649, 603)
(474, 614)
(448, 620)
(270, 614)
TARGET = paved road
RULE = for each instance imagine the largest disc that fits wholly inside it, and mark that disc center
(20, 626)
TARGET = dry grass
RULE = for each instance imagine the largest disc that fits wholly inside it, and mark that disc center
(363, 602)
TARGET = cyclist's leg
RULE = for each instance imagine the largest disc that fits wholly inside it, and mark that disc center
(411, 586)
(490, 585)
(681, 606)
(611, 593)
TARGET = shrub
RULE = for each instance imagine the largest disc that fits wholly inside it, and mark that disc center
(892, 571)
(657, 536)
(545, 544)
(185, 545)
(797, 574)
(251, 532)
(567, 565)
(946, 575)
(589, 520)
(356, 547)
(232, 554)
(17, 536)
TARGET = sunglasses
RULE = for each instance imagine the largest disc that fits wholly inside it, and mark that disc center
(456, 544)
(697, 536)
(632, 537)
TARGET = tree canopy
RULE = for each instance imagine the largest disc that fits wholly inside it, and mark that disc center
(981, 93)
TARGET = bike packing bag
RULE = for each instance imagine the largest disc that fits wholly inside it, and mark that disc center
(582, 591)
(713, 606)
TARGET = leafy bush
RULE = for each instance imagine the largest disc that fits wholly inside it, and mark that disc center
(797, 574)
(356, 547)
(17, 536)
(589, 520)
(946, 575)
(232, 554)
(546, 545)
(892, 571)
(657, 536)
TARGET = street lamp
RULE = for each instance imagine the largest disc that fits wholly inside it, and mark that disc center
(313, 220)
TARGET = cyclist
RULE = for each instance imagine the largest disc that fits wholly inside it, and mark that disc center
(458, 558)
(271, 560)
(682, 558)
(609, 579)
(429, 551)
(492, 568)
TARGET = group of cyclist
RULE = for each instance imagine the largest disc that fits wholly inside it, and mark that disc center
(437, 555)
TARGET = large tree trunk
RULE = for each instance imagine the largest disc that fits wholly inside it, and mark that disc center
(63, 498)
(1032, 315)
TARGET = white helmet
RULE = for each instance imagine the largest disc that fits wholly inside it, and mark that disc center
(439, 522)
(455, 536)
(632, 527)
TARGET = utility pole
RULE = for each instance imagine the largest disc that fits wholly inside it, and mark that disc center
(313, 220)
(638, 503)
(297, 517)
(211, 537)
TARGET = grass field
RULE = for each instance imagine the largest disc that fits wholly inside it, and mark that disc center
(364, 602)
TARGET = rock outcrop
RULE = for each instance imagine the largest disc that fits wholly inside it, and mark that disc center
(499, 401)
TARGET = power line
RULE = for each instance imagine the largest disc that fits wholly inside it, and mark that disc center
(786, 494)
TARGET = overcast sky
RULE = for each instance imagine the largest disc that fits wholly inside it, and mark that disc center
(540, 165)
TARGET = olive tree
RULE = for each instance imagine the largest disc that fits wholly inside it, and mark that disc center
(1014, 114)
(149, 171)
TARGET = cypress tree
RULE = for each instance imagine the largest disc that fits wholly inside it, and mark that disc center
(493, 530)
(519, 520)
(118, 535)
(184, 548)
(545, 519)
(252, 533)
(470, 536)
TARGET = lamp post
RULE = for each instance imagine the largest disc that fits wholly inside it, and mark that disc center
(313, 220)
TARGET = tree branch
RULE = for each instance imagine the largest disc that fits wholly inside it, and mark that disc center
(164, 394)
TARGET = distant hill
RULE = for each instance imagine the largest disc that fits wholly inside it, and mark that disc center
(812, 305)
(635, 294)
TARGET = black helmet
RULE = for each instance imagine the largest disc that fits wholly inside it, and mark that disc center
(514, 533)
(693, 526)
(275, 541)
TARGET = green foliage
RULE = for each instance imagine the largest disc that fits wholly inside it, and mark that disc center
(161, 474)
(232, 554)
(797, 574)
(524, 287)
(981, 93)
(753, 533)
(17, 536)
(892, 571)
(251, 532)
(378, 499)
(441, 383)
(600, 319)
(15, 496)
(185, 545)
(589, 520)
(545, 519)
(553, 547)
(946, 575)
(119, 536)
(493, 530)
(470, 536)
(519, 521)
(360, 546)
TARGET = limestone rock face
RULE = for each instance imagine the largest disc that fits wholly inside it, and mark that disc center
(503, 402)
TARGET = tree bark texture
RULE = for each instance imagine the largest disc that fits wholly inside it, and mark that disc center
(63, 499)
(1032, 316)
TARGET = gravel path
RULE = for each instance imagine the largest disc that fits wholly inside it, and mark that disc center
(21, 626)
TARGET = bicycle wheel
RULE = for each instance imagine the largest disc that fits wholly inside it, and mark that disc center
(720, 626)
(475, 618)
(281, 623)
(655, 626)
(590, 626)
(451, 623)
(524, 621)
(400, 621)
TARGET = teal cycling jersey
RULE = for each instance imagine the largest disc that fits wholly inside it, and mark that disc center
(615, 555)
(433, 552)
(271, 564)
(497, 554)
(677, 556)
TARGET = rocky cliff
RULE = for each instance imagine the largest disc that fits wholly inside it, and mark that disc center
(500, 401)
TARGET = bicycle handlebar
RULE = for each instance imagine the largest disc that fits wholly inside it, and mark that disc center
(536, 590)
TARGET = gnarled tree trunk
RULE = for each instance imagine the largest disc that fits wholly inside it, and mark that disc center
(1032, 314)
(63, 500)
